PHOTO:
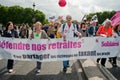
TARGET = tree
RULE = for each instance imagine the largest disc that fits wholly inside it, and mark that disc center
(3, 14)
(19, 15)
(15, 14)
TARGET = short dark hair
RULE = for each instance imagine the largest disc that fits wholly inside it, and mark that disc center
(83, 23)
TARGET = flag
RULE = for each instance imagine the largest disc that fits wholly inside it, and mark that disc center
(59, 19)
(116, 18)
(84, 17)
(94, 19)
(52, 17)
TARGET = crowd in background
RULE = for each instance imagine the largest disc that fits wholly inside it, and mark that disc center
(24, 30)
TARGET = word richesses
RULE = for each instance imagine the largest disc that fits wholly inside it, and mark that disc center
(39, 47)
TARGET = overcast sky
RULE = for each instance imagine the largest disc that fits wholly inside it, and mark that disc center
(76, 8)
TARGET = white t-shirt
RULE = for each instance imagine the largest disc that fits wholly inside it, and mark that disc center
(94, 30)
(69, 32)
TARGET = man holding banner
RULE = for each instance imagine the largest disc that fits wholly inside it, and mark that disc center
(93, 28)
(68, 30)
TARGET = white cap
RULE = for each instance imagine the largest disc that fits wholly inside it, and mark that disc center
(107, 20)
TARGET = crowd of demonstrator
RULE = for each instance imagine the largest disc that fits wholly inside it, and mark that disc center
(61, 30)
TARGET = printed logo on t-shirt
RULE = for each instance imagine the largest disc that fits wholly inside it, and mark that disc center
(65, 31)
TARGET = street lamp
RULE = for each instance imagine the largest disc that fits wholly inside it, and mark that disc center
(34, 6)
(33, 12)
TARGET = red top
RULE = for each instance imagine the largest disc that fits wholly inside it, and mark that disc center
(107, 32)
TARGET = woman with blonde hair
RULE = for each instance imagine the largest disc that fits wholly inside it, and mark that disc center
(39, 34)
(105, 31)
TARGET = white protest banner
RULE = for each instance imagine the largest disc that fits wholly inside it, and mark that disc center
(57, 49)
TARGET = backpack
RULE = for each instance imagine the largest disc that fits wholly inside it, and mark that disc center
(75, 35)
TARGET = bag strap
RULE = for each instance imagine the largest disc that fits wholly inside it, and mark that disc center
(63, 27)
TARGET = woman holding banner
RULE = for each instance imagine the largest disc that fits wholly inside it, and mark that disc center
(39, 34)
(105, 31)
(116, 33)
(10, 33)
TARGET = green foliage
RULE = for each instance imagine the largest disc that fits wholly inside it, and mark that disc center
(19, 15)
(102, 15)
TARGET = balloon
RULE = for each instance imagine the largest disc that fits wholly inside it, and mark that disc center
(62, 3)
